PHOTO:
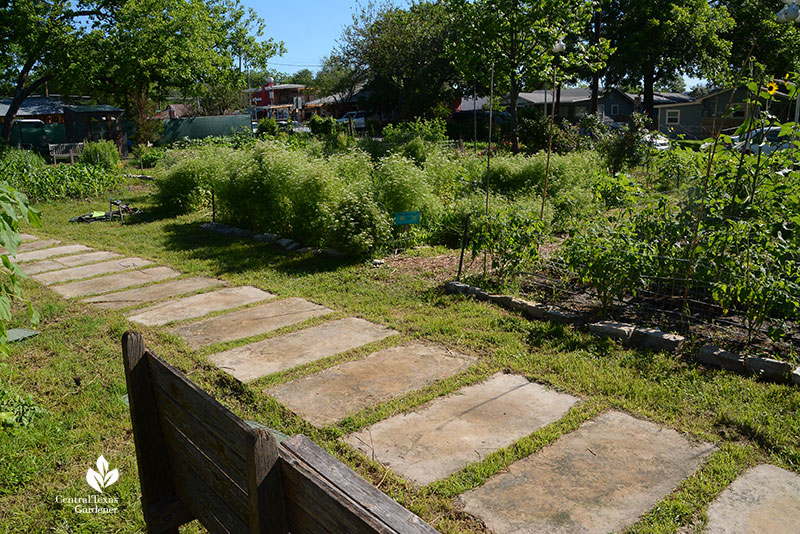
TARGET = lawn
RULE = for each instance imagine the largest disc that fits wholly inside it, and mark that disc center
(73, 370)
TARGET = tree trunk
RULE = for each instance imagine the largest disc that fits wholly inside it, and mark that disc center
(598, 17)
(22, 92)
(513, 95)
(647, 103)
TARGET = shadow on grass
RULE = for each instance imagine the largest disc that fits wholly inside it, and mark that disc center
(239, 255)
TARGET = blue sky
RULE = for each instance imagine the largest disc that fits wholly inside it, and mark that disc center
(308, 29)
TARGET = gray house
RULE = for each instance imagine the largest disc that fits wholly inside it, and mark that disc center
(697, 119)
(614, 104)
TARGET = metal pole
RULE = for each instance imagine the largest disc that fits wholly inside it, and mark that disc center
(475, 117)
(463, 246)
(489, 156)
(549, 143)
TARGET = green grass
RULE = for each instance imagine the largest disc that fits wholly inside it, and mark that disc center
(74, 371)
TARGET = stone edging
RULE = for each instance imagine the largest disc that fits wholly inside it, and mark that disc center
(286, 244)
(630, 334)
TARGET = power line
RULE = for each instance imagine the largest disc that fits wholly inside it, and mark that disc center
(295, 64)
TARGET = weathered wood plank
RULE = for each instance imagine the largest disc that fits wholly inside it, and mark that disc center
(222, 450)
(183, 451)
(205, 504)
(151, 453)
(315, 480)
(267, 510)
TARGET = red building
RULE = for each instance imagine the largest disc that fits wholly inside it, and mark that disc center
(282, 101)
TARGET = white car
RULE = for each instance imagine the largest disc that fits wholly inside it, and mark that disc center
(359, 119)
(657, 141)
(765, 142)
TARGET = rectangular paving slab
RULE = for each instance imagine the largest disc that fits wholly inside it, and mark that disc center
(453, 431)
(67, 261)
(764, 499)
(332, 394)
(28, 237)
(114, 282)
(199, 305)
(94, 269)
(290, 350)
(600, 478)
(37, 244)
(249, 322)
(45, 253)
(140, 295)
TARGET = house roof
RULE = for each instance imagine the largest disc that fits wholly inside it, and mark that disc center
(40, 105)
(470, 104)
(709, 95)
(568, 96)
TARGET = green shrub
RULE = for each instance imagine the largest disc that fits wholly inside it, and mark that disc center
(402, 186)
(102, 154)
(188, 183)
(323, 128)
(267, 127)
(511, 237)
(626, 148)
(358, 225)
(430, 130)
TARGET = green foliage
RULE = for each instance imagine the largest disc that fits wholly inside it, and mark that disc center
(187, 182)
(430, 130)
(625, 148)
(611, 261)
(16, 410)
(29, 174)
(618, 190)
(323, 128)
(103, 154)
(149, 156)
(402, 186)
(267, 127)
(512, 238)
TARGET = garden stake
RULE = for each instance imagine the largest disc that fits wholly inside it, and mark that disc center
(489, 155)
(463, 246)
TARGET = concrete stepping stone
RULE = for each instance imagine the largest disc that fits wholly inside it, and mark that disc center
(68, 261)
(290, 350)
(199, 305)
(94, 269)
(27, 237)
(140, 295)
(453, 431)
(37, 244)
(330, 395)
(45, 253)
(249, 322)
(765, 498)
(600, 478)
(114, 282)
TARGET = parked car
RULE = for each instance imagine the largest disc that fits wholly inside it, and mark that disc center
(359, 119)
(657, 141)
(758, 141)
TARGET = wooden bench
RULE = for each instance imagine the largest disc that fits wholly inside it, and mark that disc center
(197, 460)
(68, 151)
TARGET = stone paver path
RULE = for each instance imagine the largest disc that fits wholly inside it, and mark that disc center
(67, 261)
(330, 395)
(141, 295)
(249, 322)
(453, 431)
(280, 353)
(764, 499)
(199, 305)
(598, 479)
(115, 282)
(45, 253)
(28, 237)
(94, 269)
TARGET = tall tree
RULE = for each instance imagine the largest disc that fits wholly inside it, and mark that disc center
(775, 45)
(517, 37)
(403, 53)
(658, 41)
(339, 78)
(38, 42)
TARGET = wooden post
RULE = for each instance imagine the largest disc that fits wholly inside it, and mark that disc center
(162, 510)
(267, 509)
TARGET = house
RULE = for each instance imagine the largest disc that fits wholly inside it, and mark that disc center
(613, 104)
(280, 101)
(59, 122)
(698, 119)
